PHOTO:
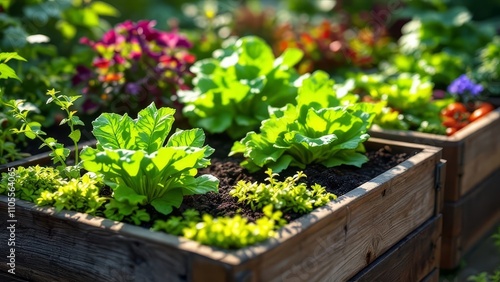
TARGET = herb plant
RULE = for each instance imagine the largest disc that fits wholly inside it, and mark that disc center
(234, 89)
(32, 130)
(8, 149)
(46, 186)
(287, 195)
(314, 131)
(223, 232)
(140, 168)
(32, 181)
(81, 195)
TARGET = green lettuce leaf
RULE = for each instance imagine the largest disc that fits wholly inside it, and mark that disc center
(234, 90)
(140, 168)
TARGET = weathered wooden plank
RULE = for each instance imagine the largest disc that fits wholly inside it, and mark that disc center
(481, 152)
(7, 277)
(412, 259)
(433, 276)
(367, 228)
(335, 241)
(468, 220)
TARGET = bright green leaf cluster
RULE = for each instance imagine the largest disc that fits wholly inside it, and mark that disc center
(287, 195)
(81, 195)
(234, 89)
(451, 30)
(224, 232)
(441, 67)
(311, 132)
(8, 149)
(408, 98)
(5, 70)
(30, 182)
(140, 169)
(125, 211)
(487, 70)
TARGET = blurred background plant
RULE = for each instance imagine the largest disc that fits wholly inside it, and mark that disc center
(45, 33)
(134, 65)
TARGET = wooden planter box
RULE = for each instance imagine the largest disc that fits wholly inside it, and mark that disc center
(333, 243)
(421, 250)
(473, 158)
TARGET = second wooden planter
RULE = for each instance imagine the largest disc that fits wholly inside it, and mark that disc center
(333, 243)
(471, 189)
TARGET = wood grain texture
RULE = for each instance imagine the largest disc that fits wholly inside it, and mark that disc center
(468, 220)
(433, 276)
(333, 242)
(412, 259)
(472, 153)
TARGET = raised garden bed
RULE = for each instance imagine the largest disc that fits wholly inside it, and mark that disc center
(473, 159)
(336, 241)
(415, 250)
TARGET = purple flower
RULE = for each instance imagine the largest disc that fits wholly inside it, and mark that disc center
(464, 86)
(83, 74)
(132, 88)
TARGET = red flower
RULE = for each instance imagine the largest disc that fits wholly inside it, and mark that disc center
(101, 63)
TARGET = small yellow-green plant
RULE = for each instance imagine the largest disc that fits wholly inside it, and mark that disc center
(30, 182)
(223, 232)
(287, 195)
(45, 186)
(81, 195)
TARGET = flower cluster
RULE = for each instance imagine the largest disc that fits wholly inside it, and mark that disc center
(135, 64)
(328, 45)
(463, 88)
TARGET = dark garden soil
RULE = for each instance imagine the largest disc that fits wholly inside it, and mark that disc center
(337, 180)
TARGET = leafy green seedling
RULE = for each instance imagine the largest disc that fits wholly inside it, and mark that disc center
(223, 232)
(287, 195)
(32, 130)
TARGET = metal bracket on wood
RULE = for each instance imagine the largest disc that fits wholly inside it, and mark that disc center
(439, 181)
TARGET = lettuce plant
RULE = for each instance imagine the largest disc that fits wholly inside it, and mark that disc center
(311, 132)
(409, 97)
(140, 168)
(287, 195)
(234, 89)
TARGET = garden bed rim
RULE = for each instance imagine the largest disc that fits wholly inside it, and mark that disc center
(460, 135)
